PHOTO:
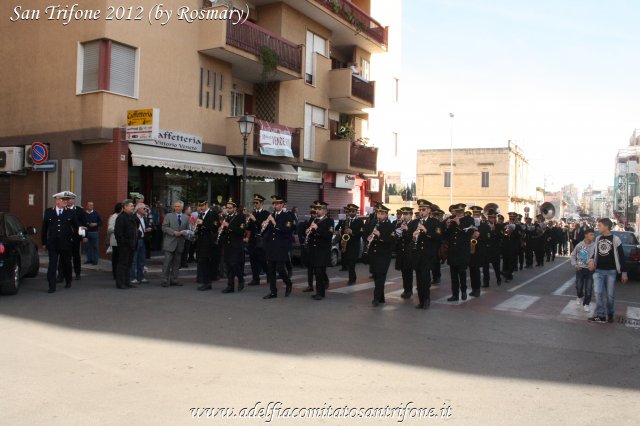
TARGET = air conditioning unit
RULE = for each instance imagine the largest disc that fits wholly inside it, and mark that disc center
(11, 158)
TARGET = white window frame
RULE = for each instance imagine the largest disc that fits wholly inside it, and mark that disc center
(234, 104)
(312, 42)
(310, 126)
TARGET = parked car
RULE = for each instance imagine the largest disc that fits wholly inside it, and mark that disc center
(18, 253)
(631, 250)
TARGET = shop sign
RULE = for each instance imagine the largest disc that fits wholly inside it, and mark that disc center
(309, 175)
(374, 185)
(345, 181)
(142, 124)
(174, 140)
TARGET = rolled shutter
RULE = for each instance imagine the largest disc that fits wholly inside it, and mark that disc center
(90, 66)
(123, 69)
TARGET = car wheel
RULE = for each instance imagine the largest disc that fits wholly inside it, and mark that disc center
(12, 285)
(334, 258)
(34, 269)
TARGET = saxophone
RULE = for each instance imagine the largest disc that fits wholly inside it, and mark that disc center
(344, 242)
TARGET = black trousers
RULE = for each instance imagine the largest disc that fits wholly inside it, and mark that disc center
(350, 264)
(486, 271)
(435, 270)
(277, 267)
(539, 252)
(310, 275)
(508, 264)
(57, 258)
(322, 280)
(379, 267)
(258, 261)
(550, 250)
(114, 260)
(123, 269)
(205, 270)
(521, 257)
(423, 282)
(407, 280)
(234, 269)
(474, 275)
(75, 256)
(528, 254)
(458, 279)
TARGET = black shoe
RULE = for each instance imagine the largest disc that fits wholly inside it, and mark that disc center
(452, 299)
(406, 295)
(499, 283)
(122, 287)
(464, 295)
(597, 319)
(176, 284)
(229, 289)
(317, 297)
(287, 291)
(165, 284)
(270, 296)
(521, 267)
(435, 281)
(59, 280)
(240, 286)
(421, 306)
(475, 293)
(204, 287)
(375, 302)
(351, 283)
(68, 285)
(254, 282)
(485, 285)
(78, 278)
(308, 289)
(131, 286)
(382, 301)
(51, 290)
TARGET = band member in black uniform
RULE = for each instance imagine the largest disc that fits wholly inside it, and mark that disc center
(523, 240)
(538, 240)
(459, 232)
(529, 234)
(79, 213)
(126, 233)
(494, 249)
(338, 232)
(380, 249)
(353, 227)
(436, 275)
(550, 247)
(510, 244)
(58, 228)
(207, 231)
(319, 237)
(304, 250)
(426, 234)
(372, 219)
(231, 237)
(479, 248)
(405, 225)
(257, 256)
(277, 232)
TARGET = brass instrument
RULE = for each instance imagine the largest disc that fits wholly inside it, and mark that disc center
(345, 237)
(547, 210)
(473, 246)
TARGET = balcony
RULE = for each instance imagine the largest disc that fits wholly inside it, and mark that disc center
(350, 157)
(349, 93)
(244, 44)
(350, 25)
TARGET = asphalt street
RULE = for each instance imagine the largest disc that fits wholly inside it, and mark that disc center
(522, 353)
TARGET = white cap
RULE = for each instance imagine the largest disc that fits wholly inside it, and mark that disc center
(64, 195)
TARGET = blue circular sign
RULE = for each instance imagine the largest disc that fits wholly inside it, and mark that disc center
(39, 153)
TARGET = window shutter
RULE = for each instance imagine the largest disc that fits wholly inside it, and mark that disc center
(90, 66)
(123, 69)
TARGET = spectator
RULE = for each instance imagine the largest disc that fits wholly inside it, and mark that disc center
(143, 226)
(113, 243)
(175, 228)
(127, 238)
(581, 257)
(184, 260)
(608, 262)
(94, 221)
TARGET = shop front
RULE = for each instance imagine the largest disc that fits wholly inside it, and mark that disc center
(340, 189)
(303, 192)
(264, 178)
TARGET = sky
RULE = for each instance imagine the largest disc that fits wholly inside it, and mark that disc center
(559, 78)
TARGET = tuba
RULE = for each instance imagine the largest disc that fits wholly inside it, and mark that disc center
(547, 210)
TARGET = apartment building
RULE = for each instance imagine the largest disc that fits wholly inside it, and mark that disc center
(304, 69)
(487, 177)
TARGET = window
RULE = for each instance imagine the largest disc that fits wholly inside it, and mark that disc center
(365, 69)
(447, 179)
(211, 89)
(395, 144)
(315, 44)
(104, 65)
(396, 90)
(313, 117)
(485, 179)
(12, 226)
(237, 104)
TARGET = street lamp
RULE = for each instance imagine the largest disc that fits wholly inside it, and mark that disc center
(451, 163)
(245, 123)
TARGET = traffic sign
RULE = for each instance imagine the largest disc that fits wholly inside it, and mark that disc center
(39, 153)
(47, 166)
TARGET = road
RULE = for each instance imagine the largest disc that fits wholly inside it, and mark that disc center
(522, 353)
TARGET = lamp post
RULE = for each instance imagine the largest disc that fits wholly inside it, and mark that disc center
(451, 163)
(245, 123)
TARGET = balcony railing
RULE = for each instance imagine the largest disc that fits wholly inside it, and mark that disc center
(363, 89)
(357, 17)
(364, 157)
(252, 39)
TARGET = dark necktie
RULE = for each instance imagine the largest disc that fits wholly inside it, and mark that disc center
(179, 220)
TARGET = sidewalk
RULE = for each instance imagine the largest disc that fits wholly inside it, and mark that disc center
(153, 265)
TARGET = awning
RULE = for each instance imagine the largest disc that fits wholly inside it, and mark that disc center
(152, 156)
(267, 170)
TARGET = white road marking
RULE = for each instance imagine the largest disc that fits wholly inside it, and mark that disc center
(357, 287)
(517, 303)
(633, 314)
(459, 302)
(560, 291)
(574, 311)
(530, 280)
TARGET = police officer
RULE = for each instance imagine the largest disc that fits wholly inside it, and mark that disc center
(381, 242)
(353, 227)
(58, 229)
(257, 256)
(231, 238)
(278, 233)
(79, 213)
(426, 234)
(459, 232)
(319, 236)
(494, 249)
(479, 250)
(405, 225)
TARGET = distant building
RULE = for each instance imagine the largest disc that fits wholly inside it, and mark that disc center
(482, 176)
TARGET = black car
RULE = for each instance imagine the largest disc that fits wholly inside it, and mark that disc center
(18, 253)
(631, 250)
